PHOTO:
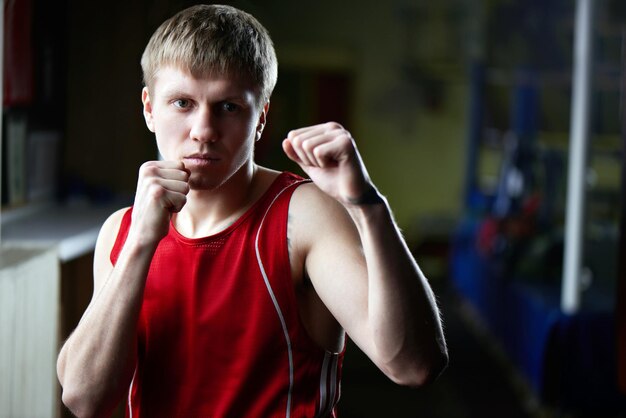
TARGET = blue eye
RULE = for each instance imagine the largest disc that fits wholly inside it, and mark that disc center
(229, 107)
(181, 103)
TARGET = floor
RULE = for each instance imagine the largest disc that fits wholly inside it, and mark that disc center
(479, 381)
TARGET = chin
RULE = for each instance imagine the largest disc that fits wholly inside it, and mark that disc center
(203, 184)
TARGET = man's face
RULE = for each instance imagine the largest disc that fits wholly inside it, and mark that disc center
(210, 124)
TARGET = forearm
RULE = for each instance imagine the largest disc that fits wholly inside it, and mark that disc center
(402, 312)
(97, 360)
(392, 315)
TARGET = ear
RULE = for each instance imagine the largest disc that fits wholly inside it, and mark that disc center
(262, 120)
(147, 108)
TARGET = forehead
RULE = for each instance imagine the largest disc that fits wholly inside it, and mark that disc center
(171, 79)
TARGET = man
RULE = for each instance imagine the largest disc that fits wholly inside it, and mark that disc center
(227, 289)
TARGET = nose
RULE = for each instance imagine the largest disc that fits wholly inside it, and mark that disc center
(203, 126)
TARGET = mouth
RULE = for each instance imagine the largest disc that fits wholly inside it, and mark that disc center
(200, 159)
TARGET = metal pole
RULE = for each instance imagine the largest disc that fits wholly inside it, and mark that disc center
(579, 138)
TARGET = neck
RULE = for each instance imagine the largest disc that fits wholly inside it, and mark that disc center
(210, 211)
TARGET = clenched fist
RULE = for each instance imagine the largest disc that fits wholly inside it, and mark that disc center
(328, 154)
(162, 190)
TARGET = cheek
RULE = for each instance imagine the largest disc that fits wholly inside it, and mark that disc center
(165, 124)
(166, 142)
(239, 135)
(168, 129)
(241, 128)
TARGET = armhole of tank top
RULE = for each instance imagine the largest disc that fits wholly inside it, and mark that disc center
(122, 234)
(294, 301)
(279, 206)
(290, 291)
(331, 365)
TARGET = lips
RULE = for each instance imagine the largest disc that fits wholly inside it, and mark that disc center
(201, 159)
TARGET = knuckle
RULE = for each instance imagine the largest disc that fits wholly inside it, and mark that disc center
(345, 139)
(149, 170)
(318, 153)
(297, 141)
(147, 165)
(155, 190)
(142, 170)
(333, 126)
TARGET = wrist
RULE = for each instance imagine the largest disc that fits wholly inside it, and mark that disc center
(365, 214)
(141, 243)
(371, 196)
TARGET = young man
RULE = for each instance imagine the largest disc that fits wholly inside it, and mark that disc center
(227, 289)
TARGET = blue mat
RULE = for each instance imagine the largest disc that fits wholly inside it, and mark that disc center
(570, 361)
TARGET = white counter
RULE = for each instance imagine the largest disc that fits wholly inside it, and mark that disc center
(72, 229)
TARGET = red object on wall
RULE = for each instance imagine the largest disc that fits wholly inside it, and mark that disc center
(18, 53)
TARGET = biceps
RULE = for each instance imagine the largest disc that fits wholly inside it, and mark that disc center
(338, 272)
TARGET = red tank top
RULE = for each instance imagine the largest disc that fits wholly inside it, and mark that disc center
(219, 332)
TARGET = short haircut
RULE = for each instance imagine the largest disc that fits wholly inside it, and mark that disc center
(211, 40)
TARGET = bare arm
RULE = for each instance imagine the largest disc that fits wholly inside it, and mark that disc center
(403, 317)
(359, 263)
(96, 363)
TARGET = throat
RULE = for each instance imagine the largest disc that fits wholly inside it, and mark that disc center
(209, 212)
(204, 226)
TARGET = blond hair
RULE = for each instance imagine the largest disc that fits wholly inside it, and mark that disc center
(213, 40)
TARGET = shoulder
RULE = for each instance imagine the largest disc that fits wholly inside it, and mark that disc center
(308, 197)
(110, 227)
(315, 217)
(105, 242)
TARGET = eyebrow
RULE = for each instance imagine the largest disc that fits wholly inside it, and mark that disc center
(177, 92)
(173, 93)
